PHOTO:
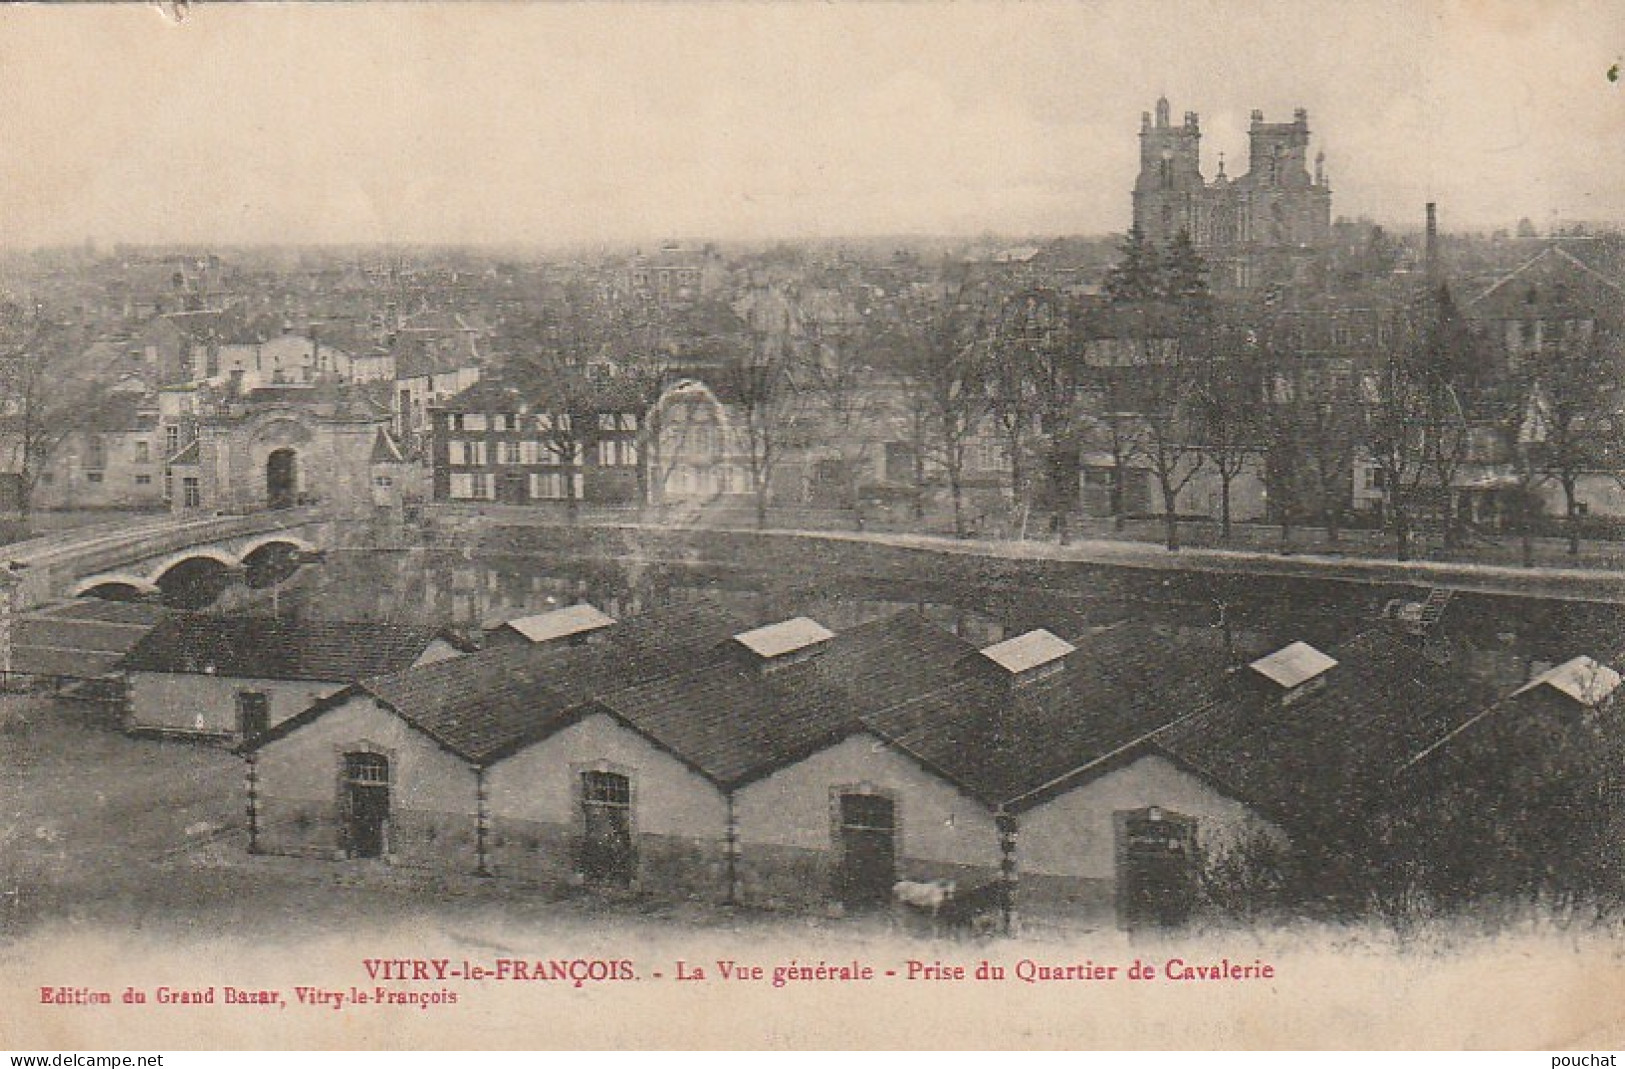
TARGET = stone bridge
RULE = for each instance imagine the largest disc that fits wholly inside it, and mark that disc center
(144, 557)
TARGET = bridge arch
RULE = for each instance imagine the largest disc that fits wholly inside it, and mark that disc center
(112, 582)
(269, 561)
(219, 556)
(253, 546)
(195, 579)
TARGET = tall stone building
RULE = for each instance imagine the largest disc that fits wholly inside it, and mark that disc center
(278, 447)
(1262, 227)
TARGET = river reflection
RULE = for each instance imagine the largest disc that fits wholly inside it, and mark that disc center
(1501, 638)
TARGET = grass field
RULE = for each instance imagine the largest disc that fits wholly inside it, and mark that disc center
(104, 831)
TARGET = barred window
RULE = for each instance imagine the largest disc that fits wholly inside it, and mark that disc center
(606, 788)
(368, 769)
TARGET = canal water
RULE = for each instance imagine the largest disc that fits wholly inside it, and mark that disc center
(1504, 639)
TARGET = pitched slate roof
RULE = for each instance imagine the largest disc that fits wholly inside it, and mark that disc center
(264, 647)
(1009, 743)
(734, 723)
(1334, 752)
(727, 720)
(1552, 256)
(486, 705)
(83, 638)
(477, 705)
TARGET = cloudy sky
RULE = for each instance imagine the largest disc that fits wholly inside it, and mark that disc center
(568, 122)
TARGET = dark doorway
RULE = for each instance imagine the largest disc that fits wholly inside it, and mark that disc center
(281, 479)
(253, 714)
(606, 847)
(1156, 868)
(868, 849)
(366, 802)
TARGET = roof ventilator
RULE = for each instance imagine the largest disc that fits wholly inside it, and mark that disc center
(1294, 671)
(785, 643)
(1029, 657)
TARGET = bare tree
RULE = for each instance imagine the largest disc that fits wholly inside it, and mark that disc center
(758, 383)
(45, 400)
(841, 382)
(1112, 398)
(1448, 354)
(1011, 401)
(1331, 429)
(1407, 410)
(1416, 428)
(1282, 438)
(1172, 416)
(1039, 342)
(1229, 394)
(1519, 421)
(1574, 417)
(941, 349)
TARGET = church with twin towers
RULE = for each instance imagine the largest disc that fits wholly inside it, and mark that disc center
(1263, 227)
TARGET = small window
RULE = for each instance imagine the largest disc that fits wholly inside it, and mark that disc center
(93, 476)
(551, 486)
(191, 492)
(606, 788)
(143, 480)
(613, 453)
(143, 452)
(367, 769)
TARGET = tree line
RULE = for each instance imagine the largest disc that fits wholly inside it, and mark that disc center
(1153, 378)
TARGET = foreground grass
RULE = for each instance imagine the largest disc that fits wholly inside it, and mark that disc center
(122, 865)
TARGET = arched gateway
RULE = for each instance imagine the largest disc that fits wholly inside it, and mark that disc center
(282, 478)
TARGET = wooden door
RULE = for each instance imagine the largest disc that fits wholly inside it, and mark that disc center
(366, 791)
(1156, 868)
(868, 848)
(253, 714)
(607, 855)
